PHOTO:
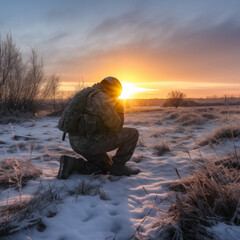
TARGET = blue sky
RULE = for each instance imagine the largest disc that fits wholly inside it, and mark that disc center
(156, 44)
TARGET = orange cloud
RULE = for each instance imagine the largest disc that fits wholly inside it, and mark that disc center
(191, 54)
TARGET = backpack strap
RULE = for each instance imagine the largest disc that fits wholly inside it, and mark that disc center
(63, 136)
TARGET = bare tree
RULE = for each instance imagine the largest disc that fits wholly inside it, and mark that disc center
(23, 83)
(10, 65)
(175, 99)
(51, 90)
(34, 79)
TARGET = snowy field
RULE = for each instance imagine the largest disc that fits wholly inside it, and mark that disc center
(104, 207)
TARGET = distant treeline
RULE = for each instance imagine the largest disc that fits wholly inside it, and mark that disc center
(188, 102)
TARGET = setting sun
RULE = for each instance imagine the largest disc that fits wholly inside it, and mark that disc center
(129, 89)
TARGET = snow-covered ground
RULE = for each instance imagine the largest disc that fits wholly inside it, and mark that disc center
(121, 204)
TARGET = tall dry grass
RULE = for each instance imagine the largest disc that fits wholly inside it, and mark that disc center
(16, 172)
(226, 132)
(26, 213)
(209, 195)
(161, 148)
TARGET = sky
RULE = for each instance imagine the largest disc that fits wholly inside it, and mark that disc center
(157, 45)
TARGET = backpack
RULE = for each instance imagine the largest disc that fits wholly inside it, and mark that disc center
(70, 121)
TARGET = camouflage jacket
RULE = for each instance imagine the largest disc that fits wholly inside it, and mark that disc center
(102, 114)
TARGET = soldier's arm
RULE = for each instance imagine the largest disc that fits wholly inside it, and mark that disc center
(119, 109)
(112, 114)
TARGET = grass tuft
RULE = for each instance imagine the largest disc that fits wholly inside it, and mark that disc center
(83, 188)
(141, 143)
(228, 132)
(161, 149)
(14, 171)
(27, 213)
(211, 194)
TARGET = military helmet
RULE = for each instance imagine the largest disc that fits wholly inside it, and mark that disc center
(112, 85)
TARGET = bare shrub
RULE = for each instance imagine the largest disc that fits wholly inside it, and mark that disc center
(16, 172)
(228, 132)
(175, 99)
(161, 149)
(10, 62)
(58, 107)
(208, 196)
(60, 102)
(23, 84)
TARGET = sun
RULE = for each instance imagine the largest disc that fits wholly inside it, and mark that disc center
(130, 89)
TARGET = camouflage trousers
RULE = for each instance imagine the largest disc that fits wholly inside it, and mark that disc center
(95, 151)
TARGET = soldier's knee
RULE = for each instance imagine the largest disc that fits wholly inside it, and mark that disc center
(134, 133)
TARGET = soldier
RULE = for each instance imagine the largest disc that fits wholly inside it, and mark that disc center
(98, 117)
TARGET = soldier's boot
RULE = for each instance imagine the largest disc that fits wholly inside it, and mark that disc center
(119, 169)
(96, 164)
(68, 165)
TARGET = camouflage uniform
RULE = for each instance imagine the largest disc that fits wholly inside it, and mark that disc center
(104, 118)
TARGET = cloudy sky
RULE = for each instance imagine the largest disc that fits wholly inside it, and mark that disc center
(160, 45)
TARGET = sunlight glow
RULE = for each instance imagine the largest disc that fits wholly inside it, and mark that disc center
(130, 89)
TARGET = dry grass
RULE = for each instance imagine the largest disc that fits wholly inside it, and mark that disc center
(210, 195)
(187, 119)
(14, 117)
(172, 116)
(27, 213)
(141, 143)
(16, 172)
(23, 146)
(228, 132)
(192, 116)
(158, 134)
(83, 188)
(161, 149)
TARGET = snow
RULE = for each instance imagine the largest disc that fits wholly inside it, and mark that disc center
(123, 203)
(226, 232)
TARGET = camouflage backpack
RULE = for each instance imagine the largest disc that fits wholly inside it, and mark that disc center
(70, 121)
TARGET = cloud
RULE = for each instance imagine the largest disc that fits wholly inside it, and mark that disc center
(201, 49)
(197, 50)
(58, 37)
(62, 14)
(156, 41)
